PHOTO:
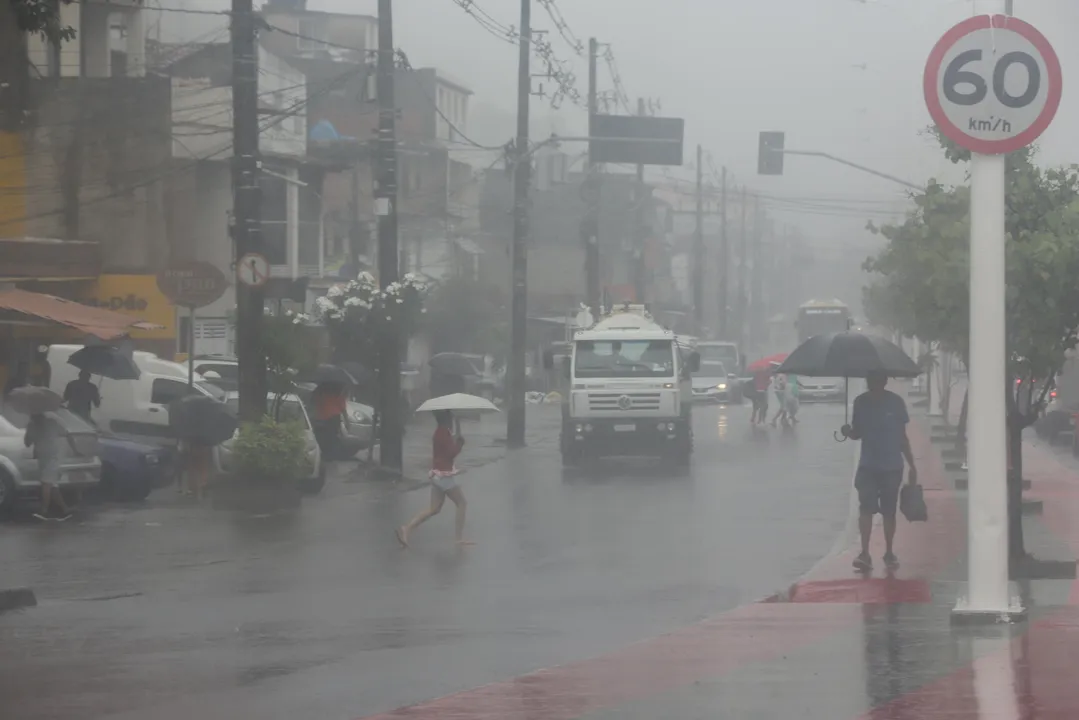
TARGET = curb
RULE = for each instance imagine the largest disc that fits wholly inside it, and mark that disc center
(16, 599)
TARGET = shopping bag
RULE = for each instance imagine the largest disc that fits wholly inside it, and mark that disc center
(912, 503)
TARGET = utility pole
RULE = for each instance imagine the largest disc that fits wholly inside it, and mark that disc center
(698, 246)
(592, 191)
(641, 230)
(389, 365)
(724, 259)
(515, 419)
(742, 272)
(247, 209)
(757, 307)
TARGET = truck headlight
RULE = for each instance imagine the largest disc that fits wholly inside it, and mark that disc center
(721, 386)
(151, 459)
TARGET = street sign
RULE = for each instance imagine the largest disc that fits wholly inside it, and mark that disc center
(193, 284)
(635, 139)
(253, 270)
(993, 84)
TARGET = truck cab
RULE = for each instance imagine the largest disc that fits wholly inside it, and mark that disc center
(628, 392)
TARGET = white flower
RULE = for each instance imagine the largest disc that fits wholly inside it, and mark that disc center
(335, 291)
(409, 277)
(399, 301)
(423, 311)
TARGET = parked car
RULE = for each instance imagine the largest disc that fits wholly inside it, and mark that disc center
(292, 408)
(20, 476)
(131, 470)
(358, 431)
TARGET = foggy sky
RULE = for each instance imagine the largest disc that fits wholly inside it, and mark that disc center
(732, 68)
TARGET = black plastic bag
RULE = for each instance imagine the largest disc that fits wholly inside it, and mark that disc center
(912, 503)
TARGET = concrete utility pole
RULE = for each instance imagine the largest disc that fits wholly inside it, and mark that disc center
(698, 246)
(515, 418)
(641, 231)
(757, 293)
(247, 209)
(742, 256)
(724, 259)
(389, 366)
(593, 195)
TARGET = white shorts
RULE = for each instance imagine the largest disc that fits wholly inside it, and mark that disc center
(444, 481)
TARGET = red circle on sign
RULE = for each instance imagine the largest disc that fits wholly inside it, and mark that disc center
(932, 72)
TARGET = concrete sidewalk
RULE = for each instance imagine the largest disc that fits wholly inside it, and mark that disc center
(839, 645)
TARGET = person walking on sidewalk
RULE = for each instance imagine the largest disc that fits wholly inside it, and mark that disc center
(443, 476)
(46, 437)
(879, 420)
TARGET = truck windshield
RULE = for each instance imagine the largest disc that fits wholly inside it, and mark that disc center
(624, 358)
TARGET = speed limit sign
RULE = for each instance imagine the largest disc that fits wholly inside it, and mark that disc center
(993, 84)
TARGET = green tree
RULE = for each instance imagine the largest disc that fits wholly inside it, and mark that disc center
(922, 288)
(17, 18)
(287, 341)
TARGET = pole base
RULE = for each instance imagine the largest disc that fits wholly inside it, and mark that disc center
(1014, 612)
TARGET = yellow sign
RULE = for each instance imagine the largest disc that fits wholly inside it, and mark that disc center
(135, 295)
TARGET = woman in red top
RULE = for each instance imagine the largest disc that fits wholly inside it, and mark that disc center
(443, 476)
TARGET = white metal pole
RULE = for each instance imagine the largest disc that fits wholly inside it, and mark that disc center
(986, 442)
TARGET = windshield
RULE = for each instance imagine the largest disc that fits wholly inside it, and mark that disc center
(725, 354)
(290, 410)
(711, 368)
(821, 321)
(624, 358)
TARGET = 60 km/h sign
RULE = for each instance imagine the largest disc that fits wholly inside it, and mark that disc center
(993, 84)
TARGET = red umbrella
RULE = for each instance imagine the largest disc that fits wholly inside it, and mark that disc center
(767, 363)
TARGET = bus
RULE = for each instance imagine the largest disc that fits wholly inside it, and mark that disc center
(820, 317)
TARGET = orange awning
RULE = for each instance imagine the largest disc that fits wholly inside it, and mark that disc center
(103, 324)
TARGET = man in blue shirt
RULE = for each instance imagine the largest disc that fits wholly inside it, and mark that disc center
(880, 421)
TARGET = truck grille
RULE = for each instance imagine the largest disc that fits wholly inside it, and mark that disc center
(617, 401)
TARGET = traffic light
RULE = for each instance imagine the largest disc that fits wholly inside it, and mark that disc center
(770, 154)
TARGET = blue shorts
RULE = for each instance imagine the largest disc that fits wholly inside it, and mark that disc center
(878, 490)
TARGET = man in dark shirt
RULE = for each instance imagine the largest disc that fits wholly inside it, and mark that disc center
(81, 394)
(880, 421)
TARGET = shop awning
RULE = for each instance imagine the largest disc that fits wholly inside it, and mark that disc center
(103, 324)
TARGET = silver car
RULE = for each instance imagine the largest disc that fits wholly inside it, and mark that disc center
(20, 476)
(292, 408)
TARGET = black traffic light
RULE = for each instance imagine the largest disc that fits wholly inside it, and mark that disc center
(770, 154)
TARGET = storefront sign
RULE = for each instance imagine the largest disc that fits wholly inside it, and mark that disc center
(139, 296)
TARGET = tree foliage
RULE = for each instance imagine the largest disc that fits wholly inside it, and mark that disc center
(923, 274)
(41, 17)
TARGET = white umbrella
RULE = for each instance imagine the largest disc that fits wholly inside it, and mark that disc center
(458, 401)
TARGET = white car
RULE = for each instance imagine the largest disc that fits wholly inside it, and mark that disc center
(292, 408)
(811, 389)
(20, 476)
(712, 383)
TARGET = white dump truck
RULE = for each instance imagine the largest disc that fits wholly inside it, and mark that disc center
(627, 390)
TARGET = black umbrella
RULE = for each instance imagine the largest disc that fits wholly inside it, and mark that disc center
(329, 375)
(847, 355)
(450, 363)
(202, 419)
(105, 361)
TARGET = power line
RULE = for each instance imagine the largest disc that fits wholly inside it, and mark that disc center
(563, 27)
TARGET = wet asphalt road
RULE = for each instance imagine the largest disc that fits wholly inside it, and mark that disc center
(168, 611)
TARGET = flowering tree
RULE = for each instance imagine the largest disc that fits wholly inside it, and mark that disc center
(359, 315)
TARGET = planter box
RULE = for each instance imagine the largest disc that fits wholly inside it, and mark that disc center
(256, 496)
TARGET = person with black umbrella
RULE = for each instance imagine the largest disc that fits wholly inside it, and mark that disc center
(81, 394)
(879, 420)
